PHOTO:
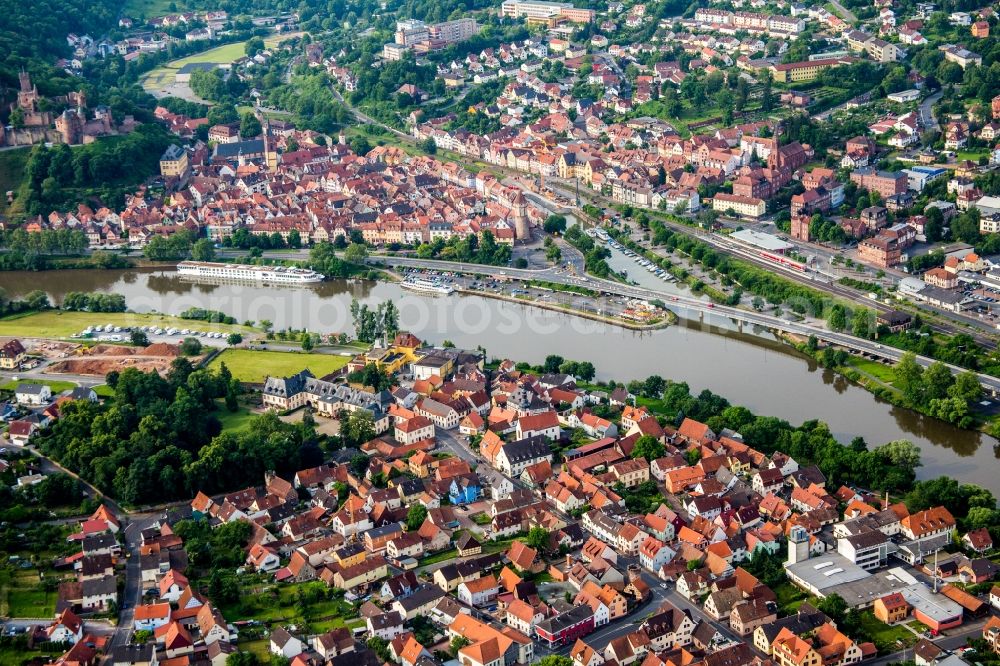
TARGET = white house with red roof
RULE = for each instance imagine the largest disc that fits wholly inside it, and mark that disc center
(66, 628)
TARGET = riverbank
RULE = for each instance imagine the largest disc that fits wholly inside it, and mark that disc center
(63, 325)
(882, 380)
(753, 367)
(668, 317)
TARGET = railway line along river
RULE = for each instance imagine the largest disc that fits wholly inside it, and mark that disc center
(752, 368)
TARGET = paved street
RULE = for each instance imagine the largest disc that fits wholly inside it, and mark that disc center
(133, 578)
(846, 13)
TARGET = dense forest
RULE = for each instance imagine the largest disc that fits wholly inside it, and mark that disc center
(158, 438)
(33, 35)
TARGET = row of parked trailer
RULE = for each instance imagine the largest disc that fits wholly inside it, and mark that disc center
(103, 332)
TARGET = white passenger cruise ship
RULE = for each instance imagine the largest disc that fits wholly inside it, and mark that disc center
(428, 286)
(247, 273)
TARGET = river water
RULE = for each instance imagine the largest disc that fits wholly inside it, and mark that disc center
(750, 368)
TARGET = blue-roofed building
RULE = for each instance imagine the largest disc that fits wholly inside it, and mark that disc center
(464, 489)
(917, 177)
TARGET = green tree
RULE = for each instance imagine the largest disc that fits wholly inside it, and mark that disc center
(767, 94)
(456, 644)
(653, 386)
(138, 338)
(648, 447)
(554, 224)
(837, 320)
(909, 378)
(37, 300)
(307, 342)
(253, 46)
(357, 428)
(249, 125)
(415, 517)
(537, 538)
(234, 339)
(966, 387)
(901, 453)
(552, 363)
(360, 145)
(428, 145)
(203, 250)
(356, 253)
(834, 607)
(190, 346)
(554, 660)
(242, 659)
(937, 381)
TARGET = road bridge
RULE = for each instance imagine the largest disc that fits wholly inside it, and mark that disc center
(686, 307)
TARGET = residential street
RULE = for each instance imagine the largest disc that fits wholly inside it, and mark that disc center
(133, 578)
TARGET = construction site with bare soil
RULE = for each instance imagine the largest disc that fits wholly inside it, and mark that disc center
(99, 360)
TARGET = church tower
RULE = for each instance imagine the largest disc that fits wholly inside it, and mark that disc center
(270, 154)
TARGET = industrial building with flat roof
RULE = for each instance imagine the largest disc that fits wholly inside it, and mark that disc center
(832, 573)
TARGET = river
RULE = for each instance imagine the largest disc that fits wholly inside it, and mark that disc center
(751, 369)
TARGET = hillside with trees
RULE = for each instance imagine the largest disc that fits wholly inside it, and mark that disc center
(99, 173)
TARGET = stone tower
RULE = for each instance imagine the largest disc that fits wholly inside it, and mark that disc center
(522, 228)
(27, 96)
(69, 124)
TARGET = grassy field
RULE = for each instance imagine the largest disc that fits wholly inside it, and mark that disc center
(267, 602)
(232, 421)
(973, 155)
(789, 597)
(261, 648)
(255, 366)
(880, 371)
(21, 594)
(11, 654)
(833, 10)
(220, 55)
(59, 324)
(12, 163)
(56, 386)
(886, 636)
(437, 558)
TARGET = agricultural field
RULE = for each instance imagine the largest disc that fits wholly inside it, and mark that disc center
(59, 324)
(255, 366)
